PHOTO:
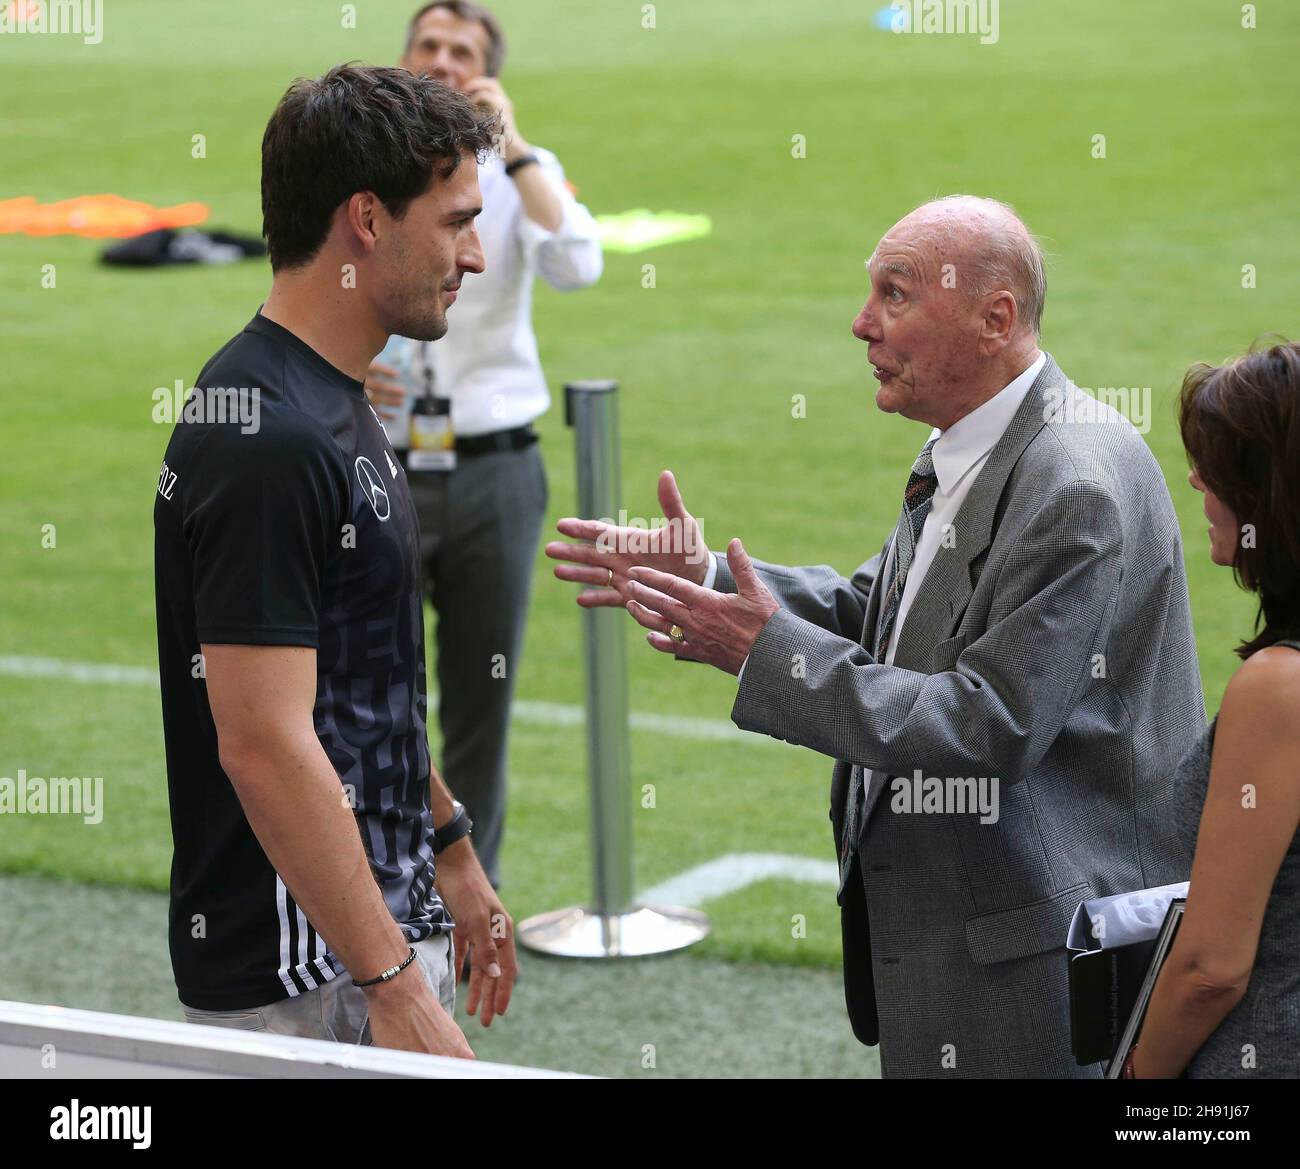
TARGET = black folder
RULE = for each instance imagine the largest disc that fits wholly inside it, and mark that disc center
(1163, 944)
(1107, 972)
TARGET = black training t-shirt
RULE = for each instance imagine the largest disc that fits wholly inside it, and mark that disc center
(283, 518)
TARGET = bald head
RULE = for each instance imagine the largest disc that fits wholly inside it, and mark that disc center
(989, 245)
(956, 300)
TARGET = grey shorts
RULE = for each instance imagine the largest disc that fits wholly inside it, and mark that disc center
(337, 1010)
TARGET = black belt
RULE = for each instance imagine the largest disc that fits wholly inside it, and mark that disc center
(468, 445)
(498, 440)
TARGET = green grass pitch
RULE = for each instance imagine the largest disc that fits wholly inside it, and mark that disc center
(697, 114)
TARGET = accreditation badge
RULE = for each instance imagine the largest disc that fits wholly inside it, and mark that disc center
(433, 443)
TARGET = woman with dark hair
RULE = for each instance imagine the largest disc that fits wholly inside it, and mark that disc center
(1227, 1003)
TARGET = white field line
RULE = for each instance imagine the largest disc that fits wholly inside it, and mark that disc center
(92, 672)
(737, 870)
(551, 714)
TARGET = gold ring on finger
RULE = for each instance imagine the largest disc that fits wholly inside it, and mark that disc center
(678, 634)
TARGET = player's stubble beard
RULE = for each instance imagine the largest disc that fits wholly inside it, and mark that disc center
(416, 303)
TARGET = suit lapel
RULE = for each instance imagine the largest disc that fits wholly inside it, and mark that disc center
(948, 584)
(944, 593)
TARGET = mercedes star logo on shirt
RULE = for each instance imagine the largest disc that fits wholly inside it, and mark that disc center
(373, 486)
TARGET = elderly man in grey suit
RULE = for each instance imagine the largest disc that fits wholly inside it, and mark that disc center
(1007, 686)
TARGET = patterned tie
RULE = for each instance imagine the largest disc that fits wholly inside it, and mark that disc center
(917, 499)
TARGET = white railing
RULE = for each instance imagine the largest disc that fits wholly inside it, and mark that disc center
(38, 1042)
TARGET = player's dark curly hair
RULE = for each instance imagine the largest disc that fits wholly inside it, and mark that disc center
(359, 128)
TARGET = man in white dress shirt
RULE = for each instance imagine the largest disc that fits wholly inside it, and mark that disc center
(481, 501)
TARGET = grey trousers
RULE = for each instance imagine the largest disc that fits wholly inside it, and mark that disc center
(337, 1010)
(479, 529)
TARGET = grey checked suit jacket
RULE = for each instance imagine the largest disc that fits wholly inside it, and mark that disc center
(1051, 647)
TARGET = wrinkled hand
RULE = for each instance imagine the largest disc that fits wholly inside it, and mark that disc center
(483, 928)
(720, 628)
(677, 549)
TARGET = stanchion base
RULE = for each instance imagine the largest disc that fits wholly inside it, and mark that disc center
(582, 933)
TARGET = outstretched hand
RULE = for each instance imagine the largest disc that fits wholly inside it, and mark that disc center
(717, 628)
(677, 549)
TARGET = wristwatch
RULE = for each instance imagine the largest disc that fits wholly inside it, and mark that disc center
(459, 826)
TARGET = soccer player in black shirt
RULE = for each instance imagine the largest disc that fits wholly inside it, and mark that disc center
(306, 813)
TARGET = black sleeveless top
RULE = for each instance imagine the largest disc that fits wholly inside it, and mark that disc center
(1261, 1035)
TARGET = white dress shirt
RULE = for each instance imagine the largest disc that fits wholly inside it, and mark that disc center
(959, 455)
(487, 364)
